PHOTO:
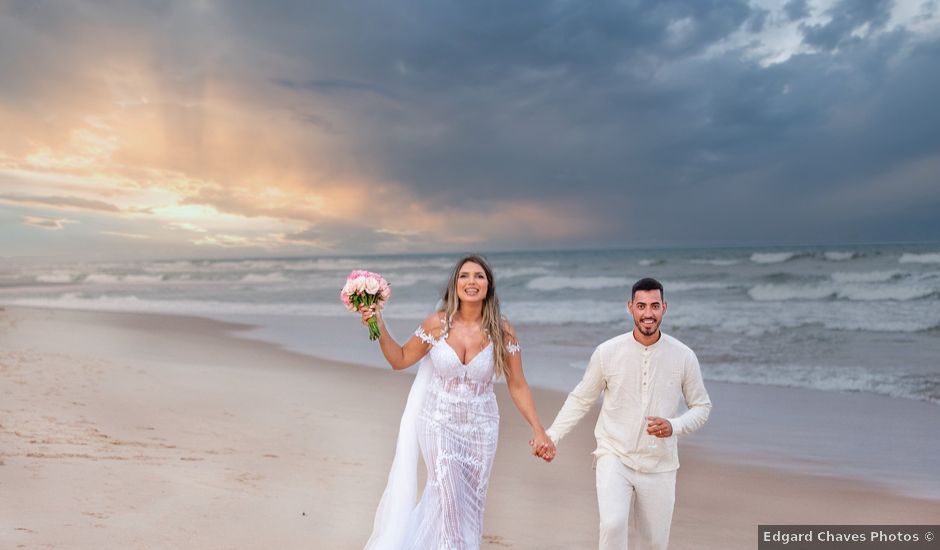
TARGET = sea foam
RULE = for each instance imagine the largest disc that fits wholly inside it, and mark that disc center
(773, 257)
(930, 258)
(837, 256)
(580, 283)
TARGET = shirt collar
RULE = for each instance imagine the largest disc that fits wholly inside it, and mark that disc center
(650, 347)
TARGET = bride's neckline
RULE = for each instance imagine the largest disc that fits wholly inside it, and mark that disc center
(446, 334)
(457, 356)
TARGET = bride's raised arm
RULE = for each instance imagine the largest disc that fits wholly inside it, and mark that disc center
(398, 356)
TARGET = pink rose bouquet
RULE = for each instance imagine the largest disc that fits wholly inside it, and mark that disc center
(364, 288)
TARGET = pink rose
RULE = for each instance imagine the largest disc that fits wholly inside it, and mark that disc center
(359, 284)
(385, 291)
(372, 285)
(344, 297)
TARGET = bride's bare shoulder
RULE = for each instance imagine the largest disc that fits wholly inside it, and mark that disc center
(433, 324)
(508, 330)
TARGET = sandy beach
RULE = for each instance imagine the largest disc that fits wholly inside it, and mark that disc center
(122, 430)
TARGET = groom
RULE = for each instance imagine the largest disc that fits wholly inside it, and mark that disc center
(642, 375)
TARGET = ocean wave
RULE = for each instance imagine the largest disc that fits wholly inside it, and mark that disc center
(867, 324)
(293, 264)
(747, 318)
(169, 267)
(720, 262)
(105, 279)
(781, 257)
(783, 277)
(566, 312)
(524, 312)
(849, 291)
(647, 262)
(578, 283)
(213, 266)
(399, 280)
(755, 319)
(929, 258)
(735, 317)
(208, 308)
(378, 265)
(682, 286)
(276, 277)
(57, 277)
(142, 279)
(510, 272)
(829, 378)
(193, 267)
(775, 257)
(838, 256)
(774, 293)
(868, 293)
(244, 265)
(865, 277)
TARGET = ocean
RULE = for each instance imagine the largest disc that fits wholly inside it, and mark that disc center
(853, 318)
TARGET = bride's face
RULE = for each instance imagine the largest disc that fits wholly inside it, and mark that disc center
(472, 283)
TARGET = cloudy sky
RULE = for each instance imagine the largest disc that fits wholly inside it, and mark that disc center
(225, 128)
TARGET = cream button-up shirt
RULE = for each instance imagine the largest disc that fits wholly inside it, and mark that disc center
(638, 381)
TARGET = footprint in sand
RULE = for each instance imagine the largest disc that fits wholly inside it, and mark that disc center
(248, 477)
(496, 540)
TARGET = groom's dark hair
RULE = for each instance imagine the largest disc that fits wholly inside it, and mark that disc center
(648, 283)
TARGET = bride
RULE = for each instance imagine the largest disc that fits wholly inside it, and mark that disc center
(451, 415)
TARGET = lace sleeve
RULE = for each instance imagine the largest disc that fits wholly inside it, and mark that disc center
(424, 336)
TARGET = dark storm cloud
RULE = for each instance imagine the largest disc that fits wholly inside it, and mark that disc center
(336, 87)
(614, 103)
(796, 9)
(545, 96)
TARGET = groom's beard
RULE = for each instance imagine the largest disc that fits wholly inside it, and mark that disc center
(648, 330)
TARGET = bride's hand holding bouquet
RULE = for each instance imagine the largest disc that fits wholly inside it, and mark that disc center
(366, 292)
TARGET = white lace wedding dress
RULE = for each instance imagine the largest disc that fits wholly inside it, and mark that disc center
(456, 427)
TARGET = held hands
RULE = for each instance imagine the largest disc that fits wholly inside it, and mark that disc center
(658, 427)
(542, 446)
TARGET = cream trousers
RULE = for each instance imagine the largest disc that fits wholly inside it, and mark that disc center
(652, 497)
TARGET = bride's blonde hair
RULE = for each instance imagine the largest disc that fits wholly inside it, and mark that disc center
(492, 318)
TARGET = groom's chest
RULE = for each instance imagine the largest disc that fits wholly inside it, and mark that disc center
(637, 372)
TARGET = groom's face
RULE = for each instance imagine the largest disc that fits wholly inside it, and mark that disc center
(647, 308)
